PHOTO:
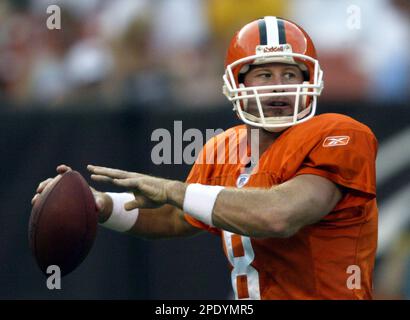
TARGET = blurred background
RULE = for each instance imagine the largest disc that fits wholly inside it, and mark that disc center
(94, 91)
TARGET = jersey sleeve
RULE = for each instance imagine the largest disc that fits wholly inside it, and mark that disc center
(349, 160)
(198, 174)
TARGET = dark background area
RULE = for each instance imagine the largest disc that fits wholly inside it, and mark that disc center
(32, 144)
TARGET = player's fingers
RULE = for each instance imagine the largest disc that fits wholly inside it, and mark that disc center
(134, 204)
(35, 198)
(110, 172)
(43, 184)
(50, 183)
(140, 202)
(95, 192)
(100, 178)
(99, 202)
(62, 168)
(130, 183)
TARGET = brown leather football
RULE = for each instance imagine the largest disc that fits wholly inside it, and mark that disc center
(63, 223)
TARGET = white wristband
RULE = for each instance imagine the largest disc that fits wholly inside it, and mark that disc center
(199, 201)
(121, 220)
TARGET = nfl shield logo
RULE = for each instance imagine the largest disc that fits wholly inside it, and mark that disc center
(242, 180)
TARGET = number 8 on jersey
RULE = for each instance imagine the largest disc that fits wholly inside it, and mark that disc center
(244, 277)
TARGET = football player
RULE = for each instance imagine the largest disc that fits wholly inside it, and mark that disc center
(299, 222)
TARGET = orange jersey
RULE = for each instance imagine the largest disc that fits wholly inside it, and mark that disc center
(331, 259)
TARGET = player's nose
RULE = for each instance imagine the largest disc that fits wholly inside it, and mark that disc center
(277, 80)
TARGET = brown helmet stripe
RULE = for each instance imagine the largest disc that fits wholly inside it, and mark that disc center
(281, 31)
(262, 32)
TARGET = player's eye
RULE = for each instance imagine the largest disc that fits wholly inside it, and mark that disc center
(289, 75)
(264, 75)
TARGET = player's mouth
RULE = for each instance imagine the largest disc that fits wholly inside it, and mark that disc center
(273, 107)
(277, 103)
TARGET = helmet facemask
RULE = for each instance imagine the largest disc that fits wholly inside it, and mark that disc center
(305, 94)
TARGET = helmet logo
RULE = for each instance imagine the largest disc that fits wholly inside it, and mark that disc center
(286, 48)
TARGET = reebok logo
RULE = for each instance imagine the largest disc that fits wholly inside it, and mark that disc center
(273, 49)
(335, 141)
(262, 49)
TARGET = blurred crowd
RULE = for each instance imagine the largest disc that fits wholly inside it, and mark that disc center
(146, 53)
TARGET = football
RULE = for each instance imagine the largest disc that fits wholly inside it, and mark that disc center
(63, 223)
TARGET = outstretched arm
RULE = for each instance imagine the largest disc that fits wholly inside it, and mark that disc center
(276, 212)
(164, 222)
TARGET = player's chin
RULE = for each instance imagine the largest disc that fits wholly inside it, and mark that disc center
(270, 111)
(278, 111)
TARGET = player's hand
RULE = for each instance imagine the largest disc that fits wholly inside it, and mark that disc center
(103, 201)
(149, 192)
(46, 184)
